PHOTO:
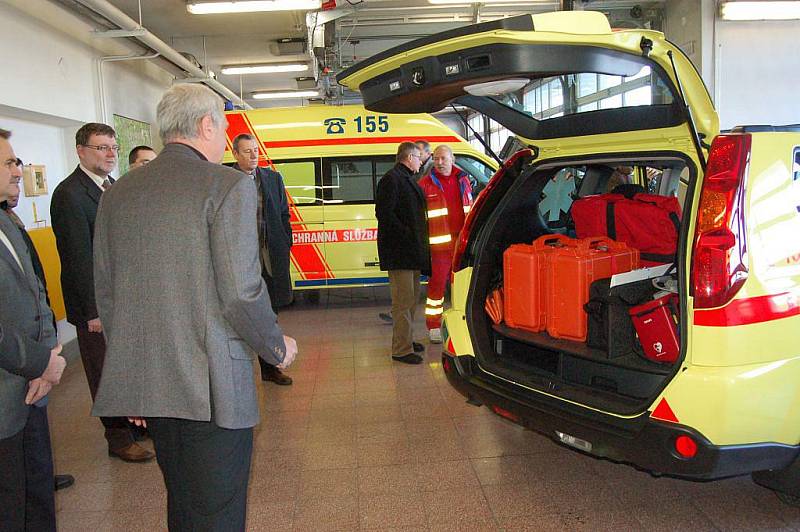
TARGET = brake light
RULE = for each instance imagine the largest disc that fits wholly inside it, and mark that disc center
(719, 267)
(480, 201)
(502, 412)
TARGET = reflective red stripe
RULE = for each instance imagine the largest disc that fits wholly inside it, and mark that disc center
(750, 310)
(353, 140)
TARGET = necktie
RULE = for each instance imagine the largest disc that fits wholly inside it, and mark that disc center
(106, 184)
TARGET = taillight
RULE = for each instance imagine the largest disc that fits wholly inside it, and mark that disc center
(719, 267)
(480, 201)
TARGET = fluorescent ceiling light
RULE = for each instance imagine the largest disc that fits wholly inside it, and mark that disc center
(265, 68)
(505, 2)
(250, 6)
(285, 94)
(785, 10)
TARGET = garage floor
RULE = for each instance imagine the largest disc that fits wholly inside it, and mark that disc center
(360, 442)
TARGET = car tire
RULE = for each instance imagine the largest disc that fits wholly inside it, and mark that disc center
(791, 500)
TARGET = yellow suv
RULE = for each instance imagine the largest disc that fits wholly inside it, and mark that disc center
(593, 108)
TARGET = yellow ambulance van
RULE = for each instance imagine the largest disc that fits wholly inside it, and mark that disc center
(621, 108)
(331, 158)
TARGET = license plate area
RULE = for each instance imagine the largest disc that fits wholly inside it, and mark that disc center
(572, 441)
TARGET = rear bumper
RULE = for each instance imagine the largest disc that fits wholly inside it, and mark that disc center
(640, 441)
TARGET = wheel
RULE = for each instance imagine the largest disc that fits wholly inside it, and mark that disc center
(311, 296)
(791, 500)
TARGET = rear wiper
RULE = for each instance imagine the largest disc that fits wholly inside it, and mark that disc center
(478, 136)
(697, 140)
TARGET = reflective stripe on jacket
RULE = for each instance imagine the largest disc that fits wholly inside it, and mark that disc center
(440, 238)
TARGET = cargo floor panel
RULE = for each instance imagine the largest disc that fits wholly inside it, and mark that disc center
(581, 350)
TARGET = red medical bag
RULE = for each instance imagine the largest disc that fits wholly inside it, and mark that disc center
(646, 222)
(657, 330)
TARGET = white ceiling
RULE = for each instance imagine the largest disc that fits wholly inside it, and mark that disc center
(362, 28)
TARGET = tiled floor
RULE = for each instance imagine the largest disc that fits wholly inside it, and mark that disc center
(360, 442)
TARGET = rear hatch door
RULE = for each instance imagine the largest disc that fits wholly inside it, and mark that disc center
(587, 73)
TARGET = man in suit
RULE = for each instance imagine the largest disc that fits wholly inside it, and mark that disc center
(185, 309)
(30, 365)
(60, 481)
(73, 209)
(403, 246)
(274, 234)
(140, 156)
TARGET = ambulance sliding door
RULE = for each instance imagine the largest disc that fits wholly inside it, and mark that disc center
(303, 180)
(351, 230)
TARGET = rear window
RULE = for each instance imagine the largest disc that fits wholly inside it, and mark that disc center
(571, 94)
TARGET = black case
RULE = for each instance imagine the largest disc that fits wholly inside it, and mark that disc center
(609, 325)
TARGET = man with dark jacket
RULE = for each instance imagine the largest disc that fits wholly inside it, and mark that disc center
(403, 246)
(30, 365)
(73, 209)
(274, 235)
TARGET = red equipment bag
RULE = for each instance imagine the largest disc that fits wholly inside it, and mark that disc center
(646, 222)
(655, 325)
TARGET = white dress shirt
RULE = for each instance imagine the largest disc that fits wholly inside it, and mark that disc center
(10, 246)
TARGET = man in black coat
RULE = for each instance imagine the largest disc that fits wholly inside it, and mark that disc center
(73, 209)
(274, 233)
(403, 246)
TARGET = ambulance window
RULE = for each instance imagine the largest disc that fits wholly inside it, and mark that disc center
(300, 179)
(350, 181)
(381, 168)
(479, 173)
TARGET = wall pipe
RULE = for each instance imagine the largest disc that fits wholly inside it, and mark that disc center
(118, 17)
(101, 79)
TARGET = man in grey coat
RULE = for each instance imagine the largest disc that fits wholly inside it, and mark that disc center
(30, 365)
(184, 309)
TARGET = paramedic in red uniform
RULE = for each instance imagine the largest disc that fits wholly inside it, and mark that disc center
(449, 197)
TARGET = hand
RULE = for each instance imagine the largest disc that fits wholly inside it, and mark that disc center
(37, 388)
(52, 373)
(138, 421)
(95, 326)
(291, 352)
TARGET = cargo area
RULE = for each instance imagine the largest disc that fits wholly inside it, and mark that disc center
(559, 305)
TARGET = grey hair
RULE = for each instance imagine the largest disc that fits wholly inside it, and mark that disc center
(444, 147)
(239, 138)
(5, 134)
(182, 107)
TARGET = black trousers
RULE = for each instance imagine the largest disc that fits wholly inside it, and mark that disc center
(206, 469)
(26, 477)
(93, 354)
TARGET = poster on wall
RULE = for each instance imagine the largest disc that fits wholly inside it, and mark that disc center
(130, 133)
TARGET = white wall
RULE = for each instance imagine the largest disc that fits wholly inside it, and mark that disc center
(51, 87)
(55, 87)
(758, 72)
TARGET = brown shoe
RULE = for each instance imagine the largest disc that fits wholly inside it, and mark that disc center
(275, 375)
(132, 453)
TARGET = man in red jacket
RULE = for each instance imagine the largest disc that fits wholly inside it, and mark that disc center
(449, 197)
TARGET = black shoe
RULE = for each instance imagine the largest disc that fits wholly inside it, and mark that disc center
(385, 316)
(274, 374)
(63, 481)
(418, 347)
(411, 358)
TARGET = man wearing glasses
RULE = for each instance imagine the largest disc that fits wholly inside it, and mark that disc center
(403, 247)
(73, 209)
